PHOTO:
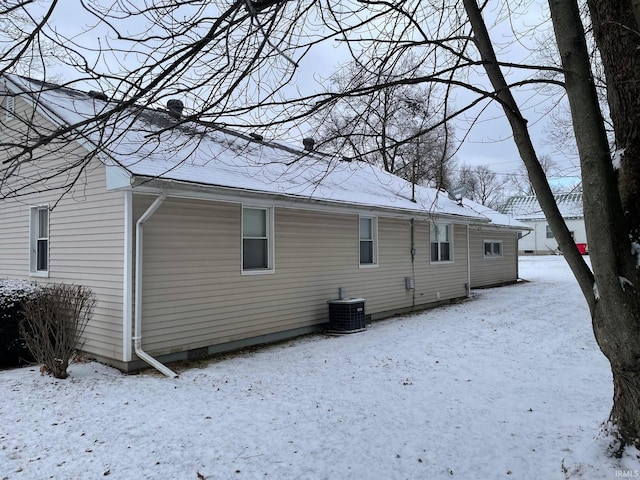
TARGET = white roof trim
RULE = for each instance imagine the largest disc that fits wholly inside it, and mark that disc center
(234, 195)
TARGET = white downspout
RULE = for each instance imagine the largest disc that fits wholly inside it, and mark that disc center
(468, 263)
(137, 338)
(127, 281)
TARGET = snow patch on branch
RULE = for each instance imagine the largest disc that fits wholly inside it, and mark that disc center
(624, 282)
(596, 293)
(635, 251)
(616, 158)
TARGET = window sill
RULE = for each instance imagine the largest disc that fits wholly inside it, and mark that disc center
(39, 274)
(257, 272)
(368, 265)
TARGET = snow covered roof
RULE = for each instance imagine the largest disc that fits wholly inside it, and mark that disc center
(154, 144)
(527, 208)
(496, 218)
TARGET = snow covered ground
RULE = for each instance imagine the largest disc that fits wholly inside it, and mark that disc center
(508, 385)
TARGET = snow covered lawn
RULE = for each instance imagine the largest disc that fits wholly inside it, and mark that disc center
(508, 385)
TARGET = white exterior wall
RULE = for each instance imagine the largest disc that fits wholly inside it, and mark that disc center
(536, 241)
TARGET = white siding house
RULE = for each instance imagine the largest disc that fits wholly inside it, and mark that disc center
(541, 240)
(197, 239)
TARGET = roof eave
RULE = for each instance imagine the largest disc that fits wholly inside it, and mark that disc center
(52, 116)
(177, 188)
(503, 226)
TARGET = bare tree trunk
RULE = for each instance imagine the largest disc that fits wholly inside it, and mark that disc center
(611, 203)
(610, 291)
(527, 152)
(617, 36)
(616, 317)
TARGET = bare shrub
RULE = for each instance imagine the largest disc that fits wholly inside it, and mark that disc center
(54, 321)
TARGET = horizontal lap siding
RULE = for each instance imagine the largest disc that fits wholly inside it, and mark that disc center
(439, 281)
(14, 239)
(187, 265)
(77, 254)
(537, 242)
(194, 294)
(320, 254)
(86, 231)
(87, 248)
(493, 270)
(14, 214)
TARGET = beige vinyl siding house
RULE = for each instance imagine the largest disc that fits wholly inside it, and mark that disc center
(493, 248)
(494, 256)
(85, 232)
(230, 251)
(195, 294)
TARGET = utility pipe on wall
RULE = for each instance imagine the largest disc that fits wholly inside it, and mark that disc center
(468, 263)
(137, 337)
(413, 263)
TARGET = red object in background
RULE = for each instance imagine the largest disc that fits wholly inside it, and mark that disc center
(582, 248)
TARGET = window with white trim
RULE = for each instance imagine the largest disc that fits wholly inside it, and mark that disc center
(441, 250)
(550, 233)
(492, 248)
(257, 240)
(39, 240)
(368, 241)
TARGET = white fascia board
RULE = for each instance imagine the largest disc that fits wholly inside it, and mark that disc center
(493, 226)
(234, 195)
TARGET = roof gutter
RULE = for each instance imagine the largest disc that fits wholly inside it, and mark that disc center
(176, 188)
(137, 338)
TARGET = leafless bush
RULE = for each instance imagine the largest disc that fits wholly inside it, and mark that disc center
(54, 321)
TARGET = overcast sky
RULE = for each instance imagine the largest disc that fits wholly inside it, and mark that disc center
(488, 143)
